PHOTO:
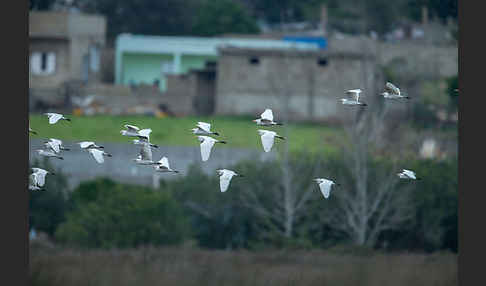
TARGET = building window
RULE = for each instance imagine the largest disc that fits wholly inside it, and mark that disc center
(254, 60)
(94, 58)
(42, 63)
(322, 62)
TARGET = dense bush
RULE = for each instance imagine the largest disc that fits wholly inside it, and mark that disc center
(105, 214)
(102, 213)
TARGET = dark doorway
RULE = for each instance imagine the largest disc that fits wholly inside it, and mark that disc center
(206, 90)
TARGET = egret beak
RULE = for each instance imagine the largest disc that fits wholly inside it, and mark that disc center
(240, 175)
(254, 120)
(224, 142)
(102, 147)
(67, 119)
(216, 133)
(52, 173)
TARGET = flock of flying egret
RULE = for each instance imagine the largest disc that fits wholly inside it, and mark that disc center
(53, 147)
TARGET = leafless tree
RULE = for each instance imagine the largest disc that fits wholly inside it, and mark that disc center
(366, 209)
(289, 196)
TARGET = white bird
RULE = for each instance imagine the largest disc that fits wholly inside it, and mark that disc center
(37, 178)
(98, 155)
(55, 145)
(163, 166)
(32, 131)
(325, 186)
(143, 141)
(407, 174)
(225, 177)
(83, 101)
(206, 144)
(354, 94)
(89, 145)
(266, 118)
(55, 117)
(131, 130)
(48, 153)
(203, 128)
(393, 92)
(268, 138)
(145, 156)
(143, 135)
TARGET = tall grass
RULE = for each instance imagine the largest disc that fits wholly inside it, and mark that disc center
(188, 266)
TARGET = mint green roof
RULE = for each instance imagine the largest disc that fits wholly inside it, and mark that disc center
(180, 48)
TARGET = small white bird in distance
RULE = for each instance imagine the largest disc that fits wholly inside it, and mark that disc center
(206, 144)
(163, 166)
(203, 128)
(145, 156)
(407, 174)
(89, 145)
(354, 94)
(32, 131)
(49, 153)
(37, 179)
(266, 118)
(225, 177)
(83, 101)
(325, 186)
(98, 155)
(268, 138)
(55, 145)
(393, 92)
(55, 117)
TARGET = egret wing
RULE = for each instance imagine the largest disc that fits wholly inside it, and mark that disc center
(164, 162)
(224, 180)
(204, 126)
(97, 154)
(33, 179)
(354, 93)
(145, 133)
(146, 152)
(132, 128)
(392, 88)
(85, 144)
(206, 147)
(40, 178)
(409, 173)
(54, 146)
(267, 141)
(325, 187)
(267, 115)
(54, 117)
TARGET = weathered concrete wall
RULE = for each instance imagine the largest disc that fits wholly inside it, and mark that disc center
(79, 165)
(311, 90)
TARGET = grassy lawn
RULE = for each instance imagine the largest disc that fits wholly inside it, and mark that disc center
(239, 132)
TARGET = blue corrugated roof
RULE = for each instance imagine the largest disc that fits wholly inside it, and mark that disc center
(320, 41)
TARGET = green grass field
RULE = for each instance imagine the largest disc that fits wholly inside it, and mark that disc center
(239, 132)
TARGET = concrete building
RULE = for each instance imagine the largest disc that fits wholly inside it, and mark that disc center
(64, 47)
(151, 59)
(302, 85)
